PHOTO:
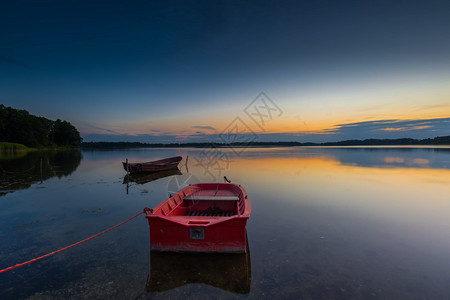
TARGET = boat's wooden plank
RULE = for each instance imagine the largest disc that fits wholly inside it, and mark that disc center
(212, 198)
(209, 214)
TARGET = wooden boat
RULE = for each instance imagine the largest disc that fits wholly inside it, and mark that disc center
(227, 271)
(153, 166)
(203, 217)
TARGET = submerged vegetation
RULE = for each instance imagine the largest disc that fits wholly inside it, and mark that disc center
(20, 127)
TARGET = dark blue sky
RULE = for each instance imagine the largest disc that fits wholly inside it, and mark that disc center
(133, 68)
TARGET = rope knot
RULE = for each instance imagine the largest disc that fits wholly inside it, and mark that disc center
(147, 210)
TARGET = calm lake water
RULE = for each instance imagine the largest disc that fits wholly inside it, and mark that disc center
(327, 223)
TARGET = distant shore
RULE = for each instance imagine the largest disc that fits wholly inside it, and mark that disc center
(437, 141)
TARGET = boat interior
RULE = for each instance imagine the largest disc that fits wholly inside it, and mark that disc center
(204, 203)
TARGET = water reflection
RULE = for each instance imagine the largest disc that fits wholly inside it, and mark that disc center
(372, 157)
(436, 158)
(142, 178)
(20, 172)
(229, 272)
(327, 223)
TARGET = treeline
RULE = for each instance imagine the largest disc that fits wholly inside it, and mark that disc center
(442, 140)
(18, 126)
(122, 145)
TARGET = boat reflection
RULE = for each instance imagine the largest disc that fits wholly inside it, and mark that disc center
(169, 270)
(141, 178)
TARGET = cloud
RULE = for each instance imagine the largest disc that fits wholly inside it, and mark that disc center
(90, 126)
(204, 127)
(379, 129)
(388, 129)
(434, 106)
(393, 129)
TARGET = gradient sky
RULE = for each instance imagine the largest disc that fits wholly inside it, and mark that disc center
(176, 71)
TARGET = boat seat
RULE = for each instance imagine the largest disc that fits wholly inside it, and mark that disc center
(210, 214)
(212, 198)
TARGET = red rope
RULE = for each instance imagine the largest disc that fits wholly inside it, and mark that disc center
(146, 210)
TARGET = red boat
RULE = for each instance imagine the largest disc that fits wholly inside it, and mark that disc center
(153, 166)
(203, 217)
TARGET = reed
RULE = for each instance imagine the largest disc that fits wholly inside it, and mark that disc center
(6, 147)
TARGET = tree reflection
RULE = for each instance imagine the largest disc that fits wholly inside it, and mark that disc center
(21, 171)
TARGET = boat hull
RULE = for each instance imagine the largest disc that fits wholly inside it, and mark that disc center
(153, 166)
(186, 223)
(225, 237)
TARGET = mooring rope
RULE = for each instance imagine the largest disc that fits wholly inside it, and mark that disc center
(146, 210)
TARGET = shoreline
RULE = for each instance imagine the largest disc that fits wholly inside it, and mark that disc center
(437, 142)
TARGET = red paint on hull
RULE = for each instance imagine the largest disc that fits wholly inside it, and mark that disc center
(205, 217)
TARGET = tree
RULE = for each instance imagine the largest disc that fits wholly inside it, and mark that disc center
(63, 133)
(18, 126)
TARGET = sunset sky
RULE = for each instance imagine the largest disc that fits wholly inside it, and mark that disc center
(192, 71)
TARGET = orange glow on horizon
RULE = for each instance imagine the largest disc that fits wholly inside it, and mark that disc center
(318, 164)
(296, 119)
